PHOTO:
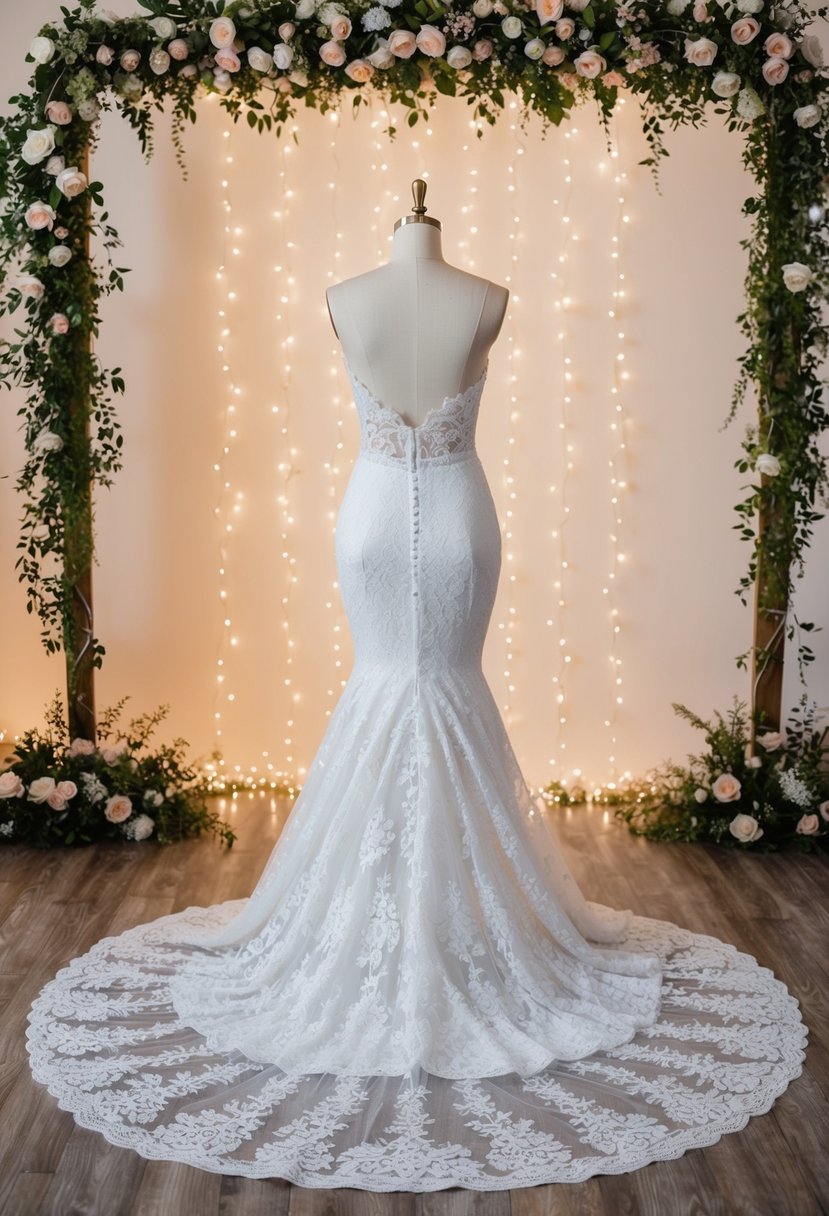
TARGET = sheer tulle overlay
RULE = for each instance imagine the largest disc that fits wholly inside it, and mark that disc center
(416, 995)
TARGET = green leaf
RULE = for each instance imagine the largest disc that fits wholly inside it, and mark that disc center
(589, 17)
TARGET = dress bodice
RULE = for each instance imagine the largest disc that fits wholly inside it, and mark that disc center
(445, 434)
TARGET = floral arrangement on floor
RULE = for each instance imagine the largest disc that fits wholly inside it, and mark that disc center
(774, 797)
(62, 791)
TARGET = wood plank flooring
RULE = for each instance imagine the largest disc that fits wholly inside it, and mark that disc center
(54, 905)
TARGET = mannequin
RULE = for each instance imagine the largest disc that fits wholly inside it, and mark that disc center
(416, 329)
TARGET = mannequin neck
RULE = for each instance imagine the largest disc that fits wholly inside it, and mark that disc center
(416, 241)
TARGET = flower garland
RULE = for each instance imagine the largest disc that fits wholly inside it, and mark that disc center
(753, 62)
(62, 791)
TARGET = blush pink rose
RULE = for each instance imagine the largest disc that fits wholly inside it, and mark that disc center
(823, 808)
(744, 31)
(130, 60)
(402, 43)
(482, 50)
(333, 54)
(287, 30)
(59, 323)
(11, 786)
(118, 808)
(775, 70)
(700, 51)
(430, 40)
(340, 28)
(726, 788)
(701, 11)
(59, 113)
(41, 788)
(565, 28)
(61, 233)
(808, 825)
(548, 10)
(778, 45)
(359, 70)
(228, 60)
(570, 80)
(80, 747)
(40, 215)
(178, 49)
(590, 64)
(553, 55)
(61, 794)
(613, 80)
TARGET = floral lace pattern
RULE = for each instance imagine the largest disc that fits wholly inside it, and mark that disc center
(416, 994)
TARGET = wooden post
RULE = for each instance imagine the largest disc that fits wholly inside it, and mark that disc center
(770, 609)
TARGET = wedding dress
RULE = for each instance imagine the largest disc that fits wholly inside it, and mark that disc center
(416, 995)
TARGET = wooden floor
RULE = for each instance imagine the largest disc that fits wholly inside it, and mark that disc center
(54, 905)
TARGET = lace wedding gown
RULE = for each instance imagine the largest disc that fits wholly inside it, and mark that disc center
(416, 995)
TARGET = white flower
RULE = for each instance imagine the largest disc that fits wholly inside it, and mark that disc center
(382, 57)
(812, 50)
(796, 276)
(41, 788)
(745, 828)
(726, 84)
(59, 255)
(807, 116)
(54, 165)
(153, 797)
(31, 286)
(40, 143)
(71, 182)
(749, 105)
(107, 16)
(259, 60)
(768, 464)
(40, 215)
(590, 64)
(283, 55)
(459, 57)
(677, 7)
(749, 6)
(47, 441)
(165, 27)
(305, 9)
(89, 110)
(482, 8)
(512, 26)
(754, 762)
(794, 788)
(42, 49)
(534, 49)
(159, 61)
(376, 18)
(222, 32)
(700, 51)
(139, 828)
(701, 794)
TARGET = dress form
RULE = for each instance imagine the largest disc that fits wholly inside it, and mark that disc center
(416, 329)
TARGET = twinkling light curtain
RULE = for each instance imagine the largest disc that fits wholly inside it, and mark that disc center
(216, 589)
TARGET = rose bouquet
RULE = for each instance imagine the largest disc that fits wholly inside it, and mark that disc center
(62, 791)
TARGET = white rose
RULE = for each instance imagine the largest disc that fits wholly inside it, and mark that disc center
(42, 49)
(535, 48)
(745, 828)
(259, 60)
(89, 110)
(796, 276)
(298, 76)
(812, 50)
(283, 55)
(512, 26)
(159, 61)
(165, 27)
(40, 143)
(47, 441)
(31, 286)
(807, 116)
(104, 55)
(382, 57)
(459, 57)
(71, 182)
(59, 255)
(54, 165)
(153, 797)
(222, 32)
(726, 84)
(482, 8)
(305, 9)
(41, 788)
(768, 464)
(677, 7)
(701, 794)
(590, 64)
(700, 51)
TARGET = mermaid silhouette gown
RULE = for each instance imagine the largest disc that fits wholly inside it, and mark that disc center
(416, 995)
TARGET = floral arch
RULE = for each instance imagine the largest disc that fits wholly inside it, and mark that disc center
(753, 63)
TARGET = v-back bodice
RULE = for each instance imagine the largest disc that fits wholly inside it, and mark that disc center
(447, 433)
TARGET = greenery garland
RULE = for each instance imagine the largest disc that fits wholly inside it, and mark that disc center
(62, 791)
(753, 62)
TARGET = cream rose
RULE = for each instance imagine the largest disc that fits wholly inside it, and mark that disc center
(779, 45)
(701, 794)
(745, 828)
(775, 70)
(565, 28)
(768, 464)
(30, 286)
(726, 788)
(382, 57)
(553, 55)
(118, 808)
(613, 80)
(511, 26)
(11, 786)
(548, 10)
(222, 32)
(40, 143)
(42, 49)
(164, 27)
(590, 64)
(359, 70)
(340, 27)
(40, 215)
(59, 113)
(749, 6)
(677, 7)
(80, 747)
(286, 31)
(130, 60)
(41, 788)
(483, 8)
(812, 50)
(700, 51)
(104, 55)
(333, 54)
(71, 182)
(402, 43)
(482, 50)
(283, 55)
(259, 60)
(228, 60)
(430, 40)
(796, 276)
(535, 48)
(159, 61)
(59, 323)
(54, 165)
(305, 9)
(744, 31)
(459, 57)
(47, 441)
(808, 825)
(807, 116)
(726, 84)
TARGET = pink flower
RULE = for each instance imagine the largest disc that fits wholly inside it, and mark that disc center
(222, 32)
(823, 808)
(59, 323)
(118, 808)
(359, 70)
(130, 60)
(111, 753)
(59, 112)
(340, 27)
(775, 70)
(228, 60)
(61, 794)
(41, 788)
(701, 11)
(700, 51)
(726, 788)
(80, 747)
(333, 54)
(40, 215)
(553, 55)
(613, 80)
(778, 45)
(548, 10)
(178, 49)
(590, 64)
(570, 80)
(744, 31)
(61, 233)
(11, 786)
(808, 825)
(287, 30)
(402, 43)
(430, 40)
(482, 50)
